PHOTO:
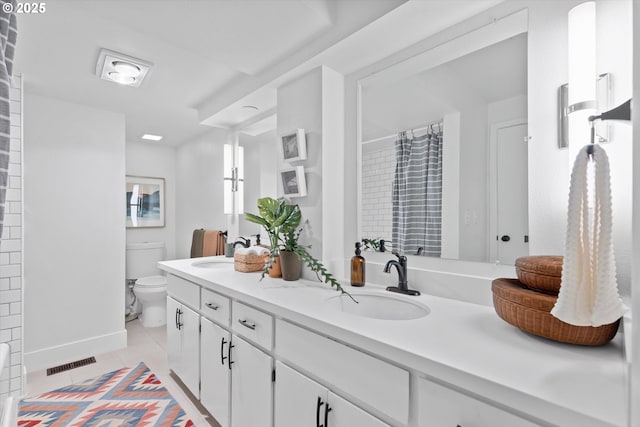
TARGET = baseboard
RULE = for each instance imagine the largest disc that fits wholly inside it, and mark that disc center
(65, 353)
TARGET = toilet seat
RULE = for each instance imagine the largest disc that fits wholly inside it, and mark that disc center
(151, 282)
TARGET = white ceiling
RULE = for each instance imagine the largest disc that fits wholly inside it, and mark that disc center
(211, 57)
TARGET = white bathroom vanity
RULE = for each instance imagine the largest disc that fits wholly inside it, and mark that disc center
(275, 353)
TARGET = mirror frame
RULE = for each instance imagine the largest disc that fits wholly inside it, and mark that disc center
(486, 35)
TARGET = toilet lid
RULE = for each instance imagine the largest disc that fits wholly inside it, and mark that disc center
(151, 282)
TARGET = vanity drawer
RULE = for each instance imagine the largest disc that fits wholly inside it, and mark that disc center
(184, 291)
(215, 307)
(252, 324)
(376, 383)
(442, 406)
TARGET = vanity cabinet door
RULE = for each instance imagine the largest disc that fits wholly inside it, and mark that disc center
(344, 414)
(251, 385)
(442, 407)
(299, 401)
(302, 402)
(215, 375)
(189, 322)
(174, 342)
(183, 344)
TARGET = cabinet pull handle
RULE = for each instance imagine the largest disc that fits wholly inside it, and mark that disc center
(246, 324)
(222, 356)
(230, 362)
(327, 409)
(177, 318)
(180, 324)
(318, 405)
(212, 306)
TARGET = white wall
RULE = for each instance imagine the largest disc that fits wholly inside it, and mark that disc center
(11, 301)
(547, 70)
(618, 62)
(157, 161)
(74, 231)
(315, 103)
(300, 106)
(473, 182)
(199, 196)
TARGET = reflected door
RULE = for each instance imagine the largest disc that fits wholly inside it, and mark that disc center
(510, 193)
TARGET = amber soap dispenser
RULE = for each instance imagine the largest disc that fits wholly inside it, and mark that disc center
(357, 268)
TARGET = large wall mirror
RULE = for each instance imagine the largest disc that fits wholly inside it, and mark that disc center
(443, 152)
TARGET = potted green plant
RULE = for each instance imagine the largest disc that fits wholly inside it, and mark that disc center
(281, 220)
(289, 253)
(274, 218)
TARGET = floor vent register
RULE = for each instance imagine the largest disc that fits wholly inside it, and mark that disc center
(72, 365)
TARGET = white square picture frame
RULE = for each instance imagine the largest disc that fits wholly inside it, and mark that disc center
(293, 182)
(293, 145)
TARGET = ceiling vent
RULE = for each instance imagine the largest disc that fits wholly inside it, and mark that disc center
(120, 68)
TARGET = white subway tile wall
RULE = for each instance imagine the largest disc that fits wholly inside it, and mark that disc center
(378, 166)
(11, 254)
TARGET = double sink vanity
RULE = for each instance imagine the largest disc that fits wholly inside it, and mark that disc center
(275, 353)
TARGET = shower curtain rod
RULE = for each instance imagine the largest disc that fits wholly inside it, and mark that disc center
(395, 135)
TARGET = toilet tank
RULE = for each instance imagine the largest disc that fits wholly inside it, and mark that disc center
(142, 259)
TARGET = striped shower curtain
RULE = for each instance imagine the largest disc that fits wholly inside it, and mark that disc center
(8, 34)
(417, 195)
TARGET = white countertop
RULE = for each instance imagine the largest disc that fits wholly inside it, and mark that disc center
(463, 344)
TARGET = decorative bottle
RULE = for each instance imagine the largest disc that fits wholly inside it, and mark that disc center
(357, 268)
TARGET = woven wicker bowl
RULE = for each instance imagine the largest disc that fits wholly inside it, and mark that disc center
(248, 263)
(529, 311)
(542, 272)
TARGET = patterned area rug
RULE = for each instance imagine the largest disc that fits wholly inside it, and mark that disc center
(129, 397)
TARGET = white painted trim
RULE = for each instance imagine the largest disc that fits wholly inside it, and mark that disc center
(69, 352)
(333, 171)
(634, 344)
(359, 160)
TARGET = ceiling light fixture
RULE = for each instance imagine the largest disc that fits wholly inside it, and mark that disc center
(151, 137)
(120, 68)
(126, 68)
(121, 78)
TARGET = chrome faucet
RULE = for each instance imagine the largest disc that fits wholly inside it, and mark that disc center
(246, 243)
(401, 266)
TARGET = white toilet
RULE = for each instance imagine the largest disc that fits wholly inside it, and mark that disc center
(150, 287)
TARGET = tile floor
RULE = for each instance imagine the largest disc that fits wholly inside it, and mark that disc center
(146, 345)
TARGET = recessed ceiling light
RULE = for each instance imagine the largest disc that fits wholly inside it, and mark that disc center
(120, 68)
(121, 78)
(150, 137)
(126, 68)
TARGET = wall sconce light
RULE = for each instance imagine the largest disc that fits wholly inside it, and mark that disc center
(585, 94)
(233, 179)
(577, 99)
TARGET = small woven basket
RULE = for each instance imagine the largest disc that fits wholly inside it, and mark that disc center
(542, 272)
(248, 263)
(529, 311)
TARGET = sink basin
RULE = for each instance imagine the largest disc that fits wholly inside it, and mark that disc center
(212, 264)
(379, 306)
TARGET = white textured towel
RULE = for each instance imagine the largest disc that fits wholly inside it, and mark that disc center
(253, 250)
(589, 291)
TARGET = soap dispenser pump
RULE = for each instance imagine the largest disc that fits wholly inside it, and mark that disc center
(357, 268)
